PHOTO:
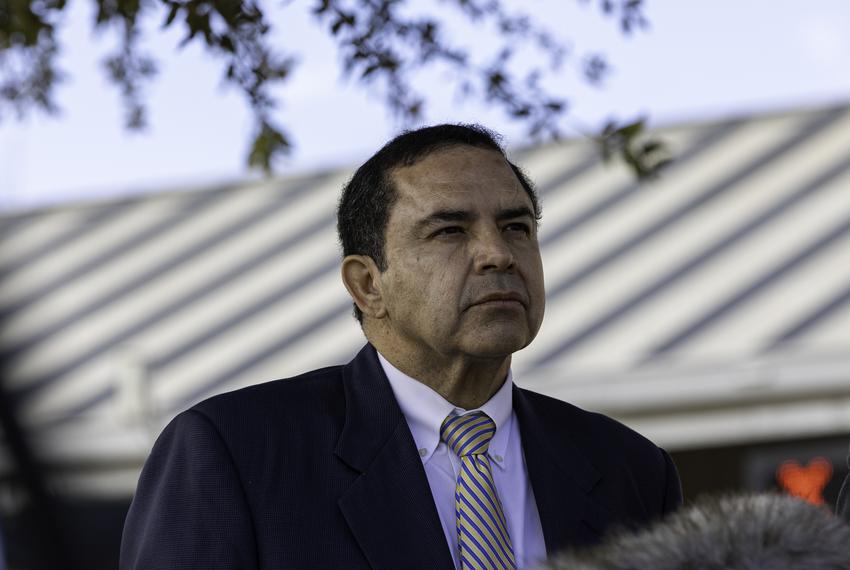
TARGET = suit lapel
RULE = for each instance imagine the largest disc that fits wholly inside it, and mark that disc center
(562, 480)
(389, 507)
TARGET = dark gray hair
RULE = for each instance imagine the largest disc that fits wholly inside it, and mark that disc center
(743, 532)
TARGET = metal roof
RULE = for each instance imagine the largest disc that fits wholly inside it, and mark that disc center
(739, 253)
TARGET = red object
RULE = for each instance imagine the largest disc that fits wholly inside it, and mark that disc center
(807, 482)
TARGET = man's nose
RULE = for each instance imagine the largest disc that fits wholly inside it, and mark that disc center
(492, 253)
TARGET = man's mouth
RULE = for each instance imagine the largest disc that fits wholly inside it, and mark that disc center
(506, 298)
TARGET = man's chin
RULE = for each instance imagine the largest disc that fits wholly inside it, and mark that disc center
(496, 343)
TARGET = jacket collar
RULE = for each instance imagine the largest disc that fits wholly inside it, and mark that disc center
(389, 507)
(561, 477)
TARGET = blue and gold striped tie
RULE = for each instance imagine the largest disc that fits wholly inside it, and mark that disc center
(482, 531)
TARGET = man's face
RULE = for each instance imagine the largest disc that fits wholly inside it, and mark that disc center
(464, 275)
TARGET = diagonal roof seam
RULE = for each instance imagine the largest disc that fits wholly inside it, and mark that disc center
(332, 313)
(88, 223)
(182, 303)
(763, 281)
(829, 308)
(113, 251)
(259, 306)
(122, 290)
(620, 196)
(706, 254)
(821, 121)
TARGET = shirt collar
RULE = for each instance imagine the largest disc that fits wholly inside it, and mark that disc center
(425, 409)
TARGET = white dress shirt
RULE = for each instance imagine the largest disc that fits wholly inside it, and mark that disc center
(424, 409)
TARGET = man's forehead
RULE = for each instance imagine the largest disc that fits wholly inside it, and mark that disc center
(459, 173)
(453, 159)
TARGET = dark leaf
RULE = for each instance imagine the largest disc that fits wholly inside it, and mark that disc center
(652, 146)
(226, 44)
(609, 128)
(385, 42)
(172, 13)
(369, 70)
(321, 7)
(631, 130)
(268, 143)
(595, 69)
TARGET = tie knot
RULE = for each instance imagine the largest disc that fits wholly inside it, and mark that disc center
(469, 434)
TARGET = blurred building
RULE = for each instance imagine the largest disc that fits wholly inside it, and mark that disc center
(709, 310)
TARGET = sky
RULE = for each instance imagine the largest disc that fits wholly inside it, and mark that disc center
(697, 61)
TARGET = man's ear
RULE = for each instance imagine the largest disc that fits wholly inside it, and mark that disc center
(360, 275)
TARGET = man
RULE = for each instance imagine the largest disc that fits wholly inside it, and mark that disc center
(380, 463)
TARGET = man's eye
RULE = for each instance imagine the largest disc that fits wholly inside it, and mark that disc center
(518, 227)
(448, 230)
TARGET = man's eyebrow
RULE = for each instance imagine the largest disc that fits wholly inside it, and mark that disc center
(515, 213)
(445, 216)
(441, 216)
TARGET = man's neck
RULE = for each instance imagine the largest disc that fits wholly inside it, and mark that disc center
(464, 381)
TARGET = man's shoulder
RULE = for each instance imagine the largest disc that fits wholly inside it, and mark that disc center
(302, 394)
(586, 428)
(259, 426)
(628, 465)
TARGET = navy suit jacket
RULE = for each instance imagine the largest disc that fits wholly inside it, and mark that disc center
(321, 471)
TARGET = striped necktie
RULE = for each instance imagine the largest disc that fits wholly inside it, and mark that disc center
(482, 532)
